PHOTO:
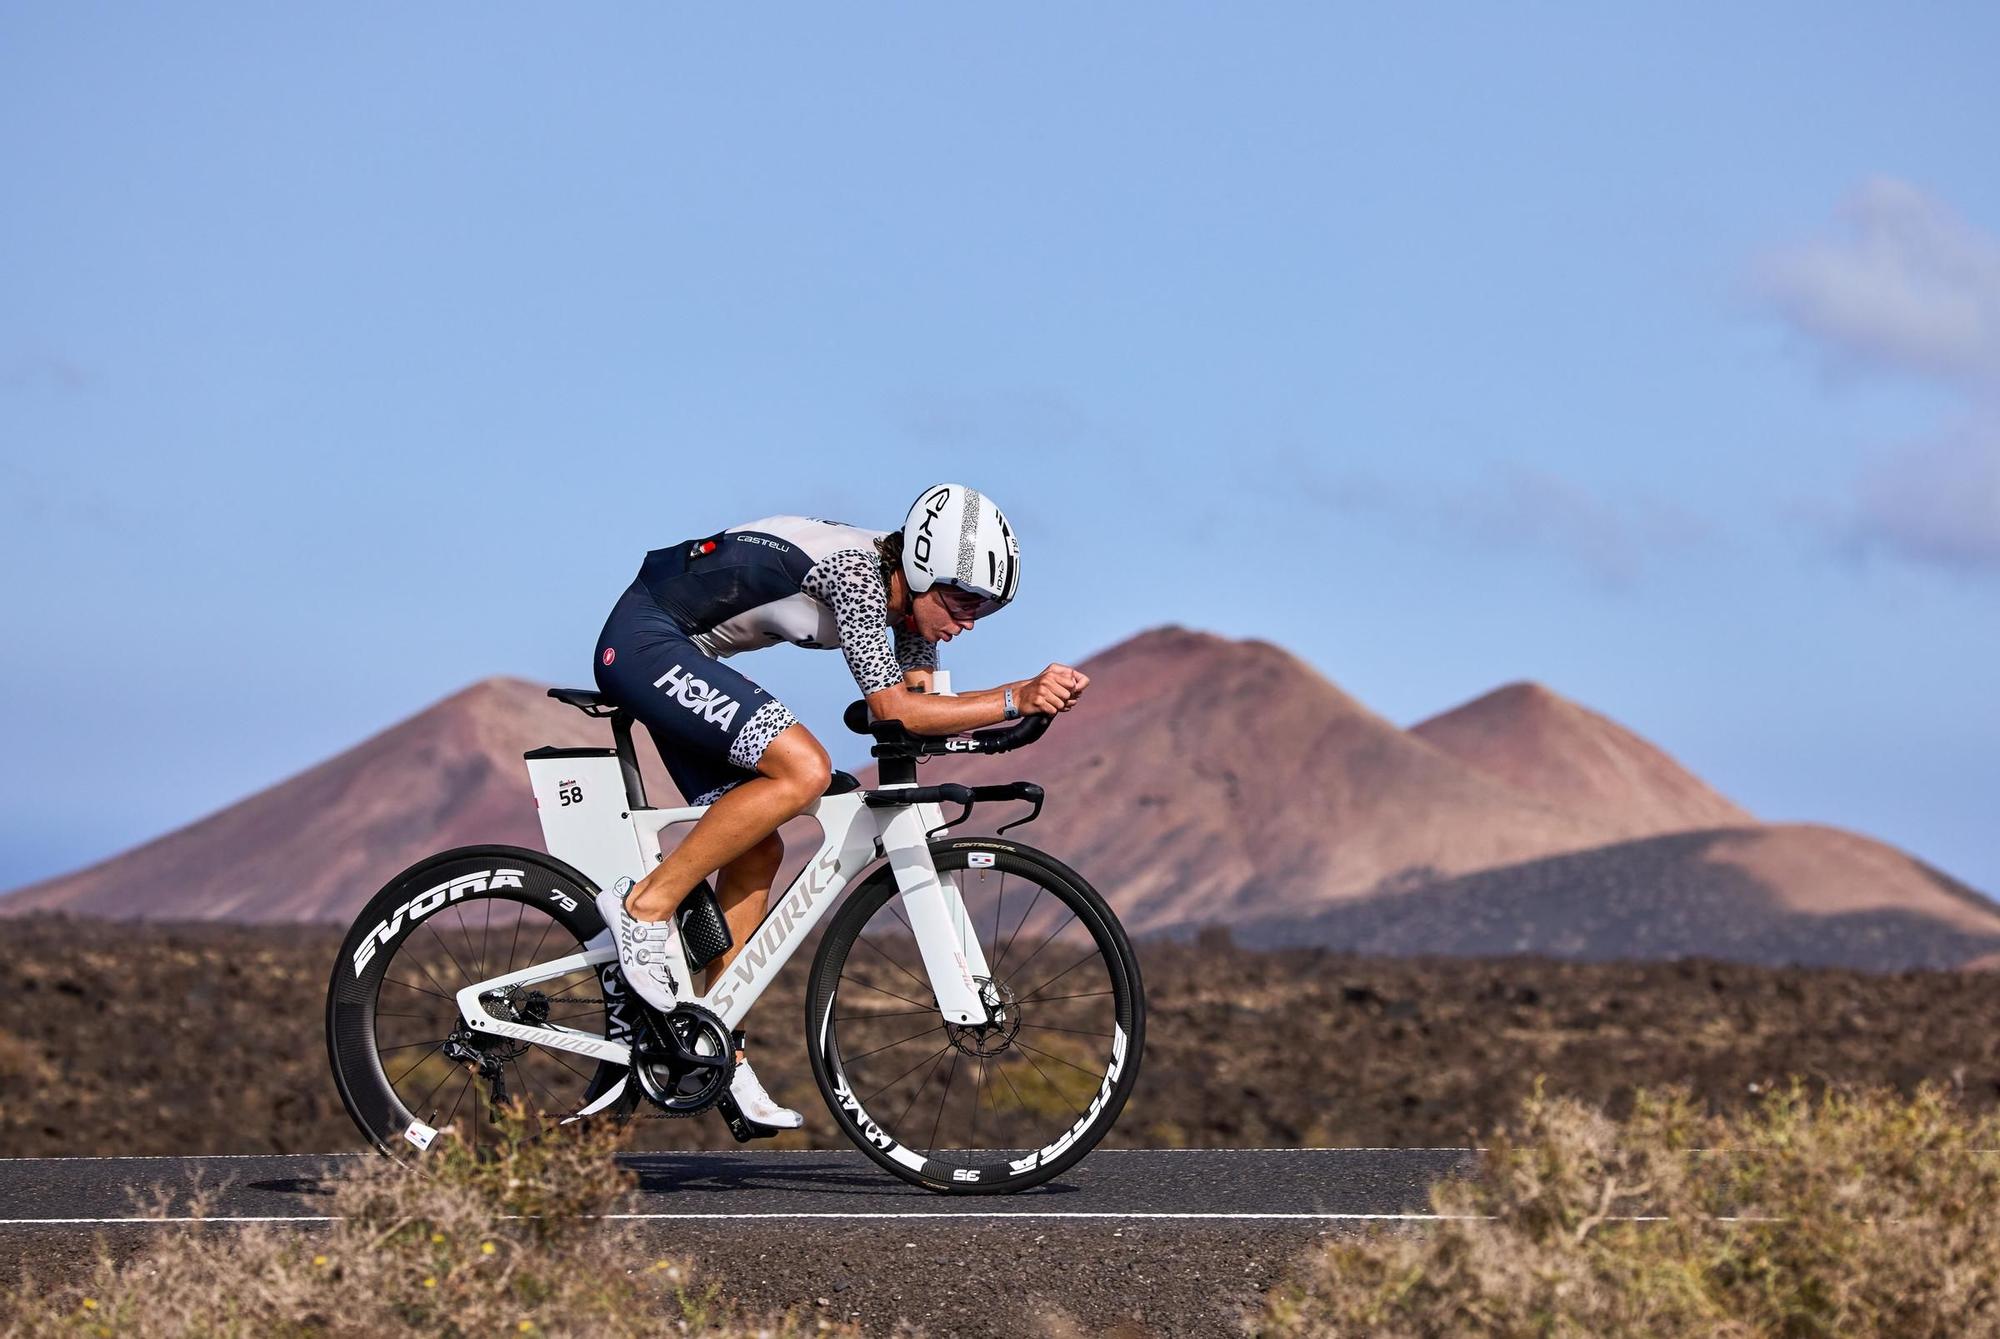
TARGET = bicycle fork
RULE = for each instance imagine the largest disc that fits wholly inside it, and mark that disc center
(953, 959)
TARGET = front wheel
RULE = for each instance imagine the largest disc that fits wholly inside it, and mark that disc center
(991, 1109)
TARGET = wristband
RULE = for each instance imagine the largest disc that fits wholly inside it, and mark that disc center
(1013, 712)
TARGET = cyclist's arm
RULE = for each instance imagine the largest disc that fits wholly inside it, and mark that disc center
(929, 714)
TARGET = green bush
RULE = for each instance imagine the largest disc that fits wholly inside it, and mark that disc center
(505, 1241)
(1848, 1214)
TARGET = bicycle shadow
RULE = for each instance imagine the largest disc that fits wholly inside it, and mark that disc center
(813, 1175)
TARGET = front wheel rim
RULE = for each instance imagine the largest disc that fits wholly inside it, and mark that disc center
(979, 1108)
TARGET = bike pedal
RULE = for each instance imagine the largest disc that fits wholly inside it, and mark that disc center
(741, 1125)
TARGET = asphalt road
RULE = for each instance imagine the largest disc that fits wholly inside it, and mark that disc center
(1135, 1243)
(1192, 1184)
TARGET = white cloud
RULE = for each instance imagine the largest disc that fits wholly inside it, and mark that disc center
(1517, 508)
(1935, 501)
(1910, 287)
(1907, 285)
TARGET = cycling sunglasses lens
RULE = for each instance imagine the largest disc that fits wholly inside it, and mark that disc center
(968, 604)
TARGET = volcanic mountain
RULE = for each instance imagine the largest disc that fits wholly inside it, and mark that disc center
(1569, 756)
(1212, 780)
(1797, 894)
(317, 846)
(1204, 781)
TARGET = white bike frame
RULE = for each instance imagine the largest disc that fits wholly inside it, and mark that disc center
(589, 824)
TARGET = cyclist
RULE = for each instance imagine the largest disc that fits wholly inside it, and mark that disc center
(730, 745)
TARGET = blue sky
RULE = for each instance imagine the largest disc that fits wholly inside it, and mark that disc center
(352, 354)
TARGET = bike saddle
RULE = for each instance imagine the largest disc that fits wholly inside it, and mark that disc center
(586, 700)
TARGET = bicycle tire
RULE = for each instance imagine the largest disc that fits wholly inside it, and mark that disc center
(906, 1149)
(516, 886)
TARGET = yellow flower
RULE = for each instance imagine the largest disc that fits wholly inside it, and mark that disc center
(486, 1248)
(437, 1238)
(90, 1304)
(525, 1326)
(319, 1260)
(430, 1283)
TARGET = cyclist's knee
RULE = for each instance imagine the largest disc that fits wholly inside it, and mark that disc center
(797, 761)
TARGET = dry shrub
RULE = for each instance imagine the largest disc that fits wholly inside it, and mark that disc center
(503, 1241)
(1863, 1214)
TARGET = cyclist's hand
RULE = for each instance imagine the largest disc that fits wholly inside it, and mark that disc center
(1055, 689)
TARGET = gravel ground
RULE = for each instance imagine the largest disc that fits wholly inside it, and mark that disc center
(1144, 1281)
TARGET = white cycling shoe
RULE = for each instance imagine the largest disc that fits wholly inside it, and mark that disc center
(642, 949)
(757, 1105)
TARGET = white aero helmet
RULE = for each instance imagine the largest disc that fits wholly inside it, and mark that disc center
(955, 536)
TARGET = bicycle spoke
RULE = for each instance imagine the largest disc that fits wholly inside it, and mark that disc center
(392, 981)
(862, 1018)
(1091, 952)
(1019, 1100)
(426, 1103)
(1045, 943)
(1051, 999)
(1051, 1082)
(905, 1074)
(1075, 1032)
(556, 1056)
(466, 932)
(912, 1037)
(483, 935)
(918, 1091)
(465, 976)
(435, 1041)
(921, 1006)
(413, 1069)
(425, 969)
(1058, 1059)
(943, 1098)
(978, 1085)
(893, 963)
(1017, 930)
(998, 903)
(463, 1088)
(536, 954)
(514, 943)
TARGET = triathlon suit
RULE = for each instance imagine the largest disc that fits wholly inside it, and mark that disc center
(794, 579)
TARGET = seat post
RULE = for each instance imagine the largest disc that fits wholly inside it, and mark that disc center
(628, 760)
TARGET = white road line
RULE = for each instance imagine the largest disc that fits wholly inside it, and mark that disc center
(733, 1217)
(721, 1153)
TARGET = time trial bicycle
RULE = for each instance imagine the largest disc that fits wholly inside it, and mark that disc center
(974, 1012)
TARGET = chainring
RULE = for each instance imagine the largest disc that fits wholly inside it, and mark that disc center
(686, 1061)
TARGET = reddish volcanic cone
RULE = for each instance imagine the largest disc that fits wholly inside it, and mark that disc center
(317, 846)
(1203, 779)
(1549, 747)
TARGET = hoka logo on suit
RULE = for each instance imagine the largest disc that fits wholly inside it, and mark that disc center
(711, 704)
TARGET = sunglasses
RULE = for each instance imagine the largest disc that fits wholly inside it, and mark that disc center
(967, 603)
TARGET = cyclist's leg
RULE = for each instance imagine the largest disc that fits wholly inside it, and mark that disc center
(725, 742)
(743, 887)
(792, 772)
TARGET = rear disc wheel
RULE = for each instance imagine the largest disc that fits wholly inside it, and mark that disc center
(405, 1061)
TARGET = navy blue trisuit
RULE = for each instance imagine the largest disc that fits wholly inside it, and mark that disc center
(813, 583)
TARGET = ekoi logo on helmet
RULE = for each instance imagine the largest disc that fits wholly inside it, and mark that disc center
(610, 654)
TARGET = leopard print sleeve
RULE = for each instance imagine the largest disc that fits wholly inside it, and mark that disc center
(850, 583)
(914, 653)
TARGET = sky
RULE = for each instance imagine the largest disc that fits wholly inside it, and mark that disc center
(349, 354)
